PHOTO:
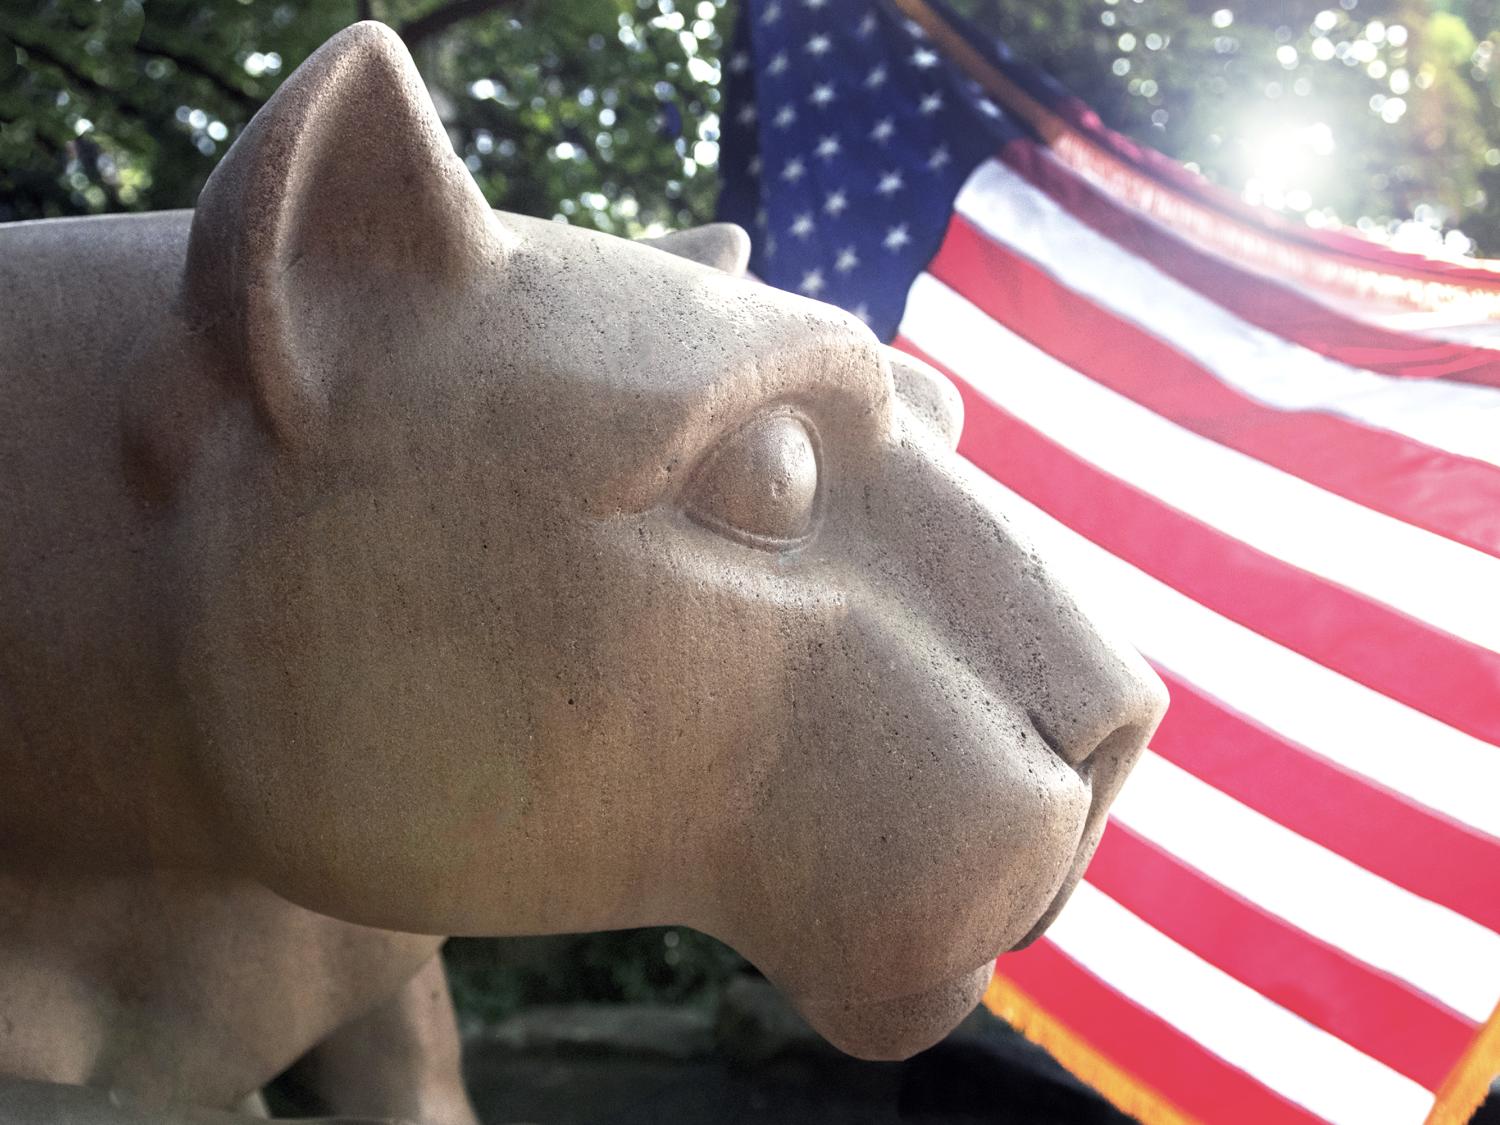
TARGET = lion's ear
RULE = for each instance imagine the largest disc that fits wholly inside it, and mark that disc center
(344, 187)
(724, 246)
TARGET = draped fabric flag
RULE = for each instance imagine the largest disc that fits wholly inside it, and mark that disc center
(1273, 455)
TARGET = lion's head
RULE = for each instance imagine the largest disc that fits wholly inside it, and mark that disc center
(542, 581)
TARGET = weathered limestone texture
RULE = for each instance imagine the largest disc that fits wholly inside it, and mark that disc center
(374, 564)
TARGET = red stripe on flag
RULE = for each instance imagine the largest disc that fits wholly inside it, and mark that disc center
(1193, 1078)
(1381, 830)
(1452, 496)
(1256, 299)
(1444, 676)
(1372, 1011)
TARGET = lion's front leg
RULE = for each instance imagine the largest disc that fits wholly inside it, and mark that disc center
(399, 1060)
(57, 1103)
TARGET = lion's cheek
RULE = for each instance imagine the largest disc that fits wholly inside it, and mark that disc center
(910, 831)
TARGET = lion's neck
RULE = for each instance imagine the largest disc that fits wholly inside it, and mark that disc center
(92, 745)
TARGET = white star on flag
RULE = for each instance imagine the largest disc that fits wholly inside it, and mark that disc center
(896, 237)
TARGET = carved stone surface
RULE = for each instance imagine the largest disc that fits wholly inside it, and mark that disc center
(374, 564)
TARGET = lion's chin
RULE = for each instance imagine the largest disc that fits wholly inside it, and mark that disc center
(888, 1030)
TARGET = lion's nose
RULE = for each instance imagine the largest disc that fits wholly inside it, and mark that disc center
(1103, 735)
(1088, 694)
(1108, 720)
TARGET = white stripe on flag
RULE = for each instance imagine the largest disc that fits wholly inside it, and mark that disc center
(1306, 703)
(1435, 579)
(1476, 332)
(1458, 417)
(1439, 951)
(1277, 1047)
(1458, 323)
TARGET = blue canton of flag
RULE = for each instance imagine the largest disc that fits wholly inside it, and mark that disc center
(846, 139)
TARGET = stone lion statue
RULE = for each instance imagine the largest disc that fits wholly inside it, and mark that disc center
(377, 566)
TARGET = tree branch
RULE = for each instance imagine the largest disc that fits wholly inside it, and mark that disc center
(118, 100)
(39, 138)
(445, 16)
(88, 155)
(47, 55)
(243, 98)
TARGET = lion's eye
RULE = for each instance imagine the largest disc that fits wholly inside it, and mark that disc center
(760, 485)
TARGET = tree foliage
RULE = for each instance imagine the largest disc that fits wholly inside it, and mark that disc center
(596, 110)
(604, 112)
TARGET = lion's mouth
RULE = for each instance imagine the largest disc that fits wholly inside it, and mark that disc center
(1054, 908)
(1093, 828)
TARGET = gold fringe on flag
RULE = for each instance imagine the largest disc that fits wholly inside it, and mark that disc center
(1468, 1082)
(1458, 1097)
(1122, 1089)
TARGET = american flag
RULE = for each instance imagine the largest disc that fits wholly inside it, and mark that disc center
(1272, 454)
